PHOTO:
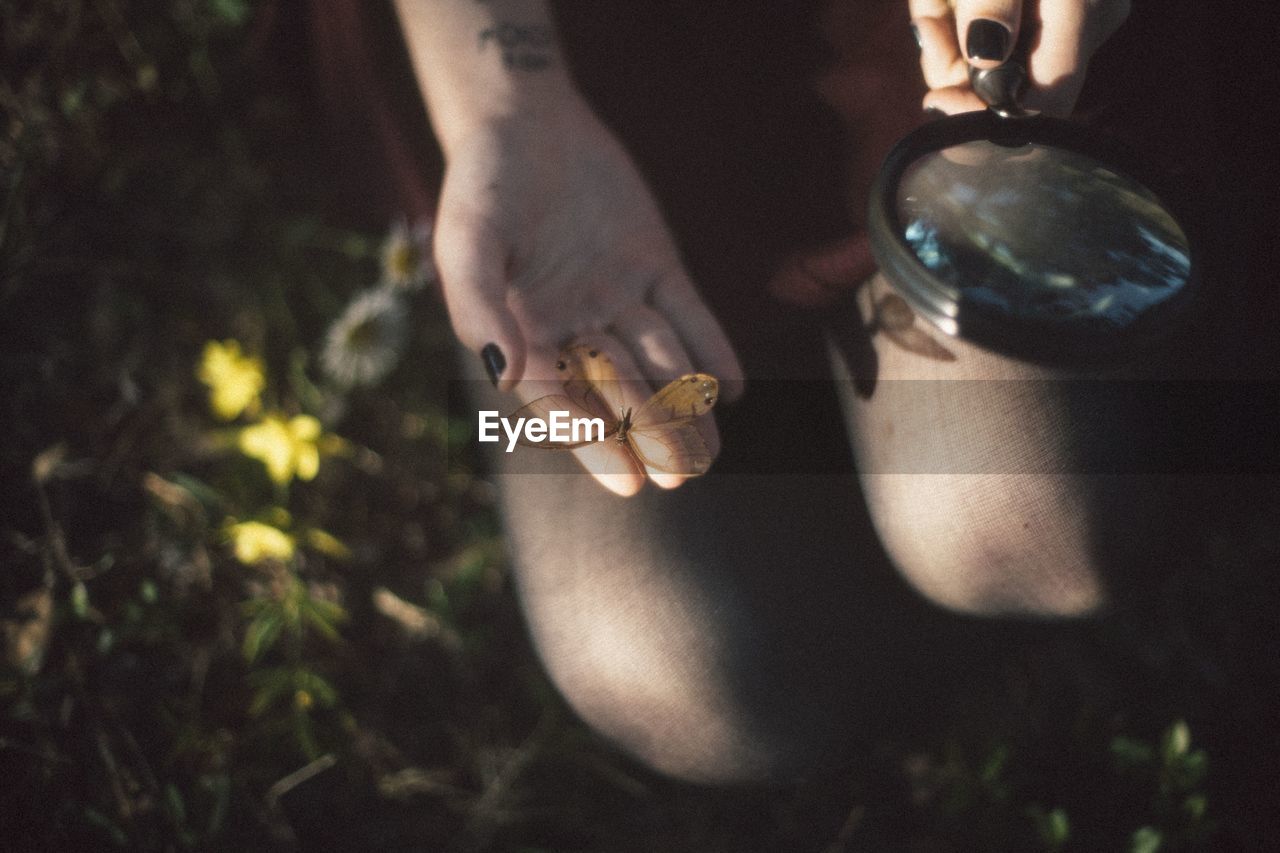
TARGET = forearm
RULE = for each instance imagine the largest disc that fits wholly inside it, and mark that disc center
(484, 61)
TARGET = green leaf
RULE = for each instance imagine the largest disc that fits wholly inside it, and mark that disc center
(1053, 827)
(1130, 753)
(322, 692)
(327, 544)
(272, 687)
(1175, 742)
(994, 765)
(280, 686)
(356, 247)
(324, 616)
(72, 99)
(209, 497)
(96, 818)
(221, 788)
(438, 596)
(1195, 806)
(1192, 768)
(230, 12)
(305, 735)
(1060, 827)
(173, 801)
(79, 599)
(260, 635)
(1145, 840)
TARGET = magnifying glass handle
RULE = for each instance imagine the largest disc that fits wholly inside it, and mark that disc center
(1002, 87)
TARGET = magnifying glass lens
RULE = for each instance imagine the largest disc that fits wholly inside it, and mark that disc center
(1038, 233)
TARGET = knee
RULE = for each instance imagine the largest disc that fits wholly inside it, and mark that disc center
(991, 546)
(1000, 579)
(669, 694)
(658, 620)
(669, 723)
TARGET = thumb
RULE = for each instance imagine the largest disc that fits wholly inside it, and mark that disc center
(988, 29)
(473, 277)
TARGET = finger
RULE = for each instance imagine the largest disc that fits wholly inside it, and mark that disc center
(710, 436)
(473, 276)
(633, 389)
(953, 99)
(940, 58)
(708, 346)
(929, 8)
(1069, 36)
(540, 374)
(653, 344)
(606, 461)
(660, 355)
(988, 29)
(706, 427)
(609, 461)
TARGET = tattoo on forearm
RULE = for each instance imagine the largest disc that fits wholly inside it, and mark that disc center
(524, 47)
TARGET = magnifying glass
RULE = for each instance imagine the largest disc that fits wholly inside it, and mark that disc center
(1028, 235)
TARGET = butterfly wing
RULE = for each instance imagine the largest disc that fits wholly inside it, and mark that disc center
(680, 401)
(896, 319)
(591, 380)
(662, 433)
(893, 314)
(675, 448)
(542, 408)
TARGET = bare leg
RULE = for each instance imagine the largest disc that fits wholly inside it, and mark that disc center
(993, 483)
(739, 628)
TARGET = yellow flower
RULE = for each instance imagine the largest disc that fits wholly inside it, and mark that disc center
(234, 380)
(255, 542)
(287, 448)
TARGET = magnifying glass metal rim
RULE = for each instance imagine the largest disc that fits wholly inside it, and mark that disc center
(1043, 341)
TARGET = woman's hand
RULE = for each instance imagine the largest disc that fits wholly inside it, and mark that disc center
(546, 235)
(1062, 36)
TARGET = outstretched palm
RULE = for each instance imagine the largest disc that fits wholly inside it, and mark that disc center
(547, 236)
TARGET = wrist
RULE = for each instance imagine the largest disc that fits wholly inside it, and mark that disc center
(480, 65)
(505, 104)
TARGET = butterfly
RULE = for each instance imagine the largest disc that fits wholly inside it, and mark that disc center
(660, 434)
(894, 317)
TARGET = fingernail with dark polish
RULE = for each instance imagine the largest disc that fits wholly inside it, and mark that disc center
(494, 362)
(915, 33)
(933, 114)
(987, 39)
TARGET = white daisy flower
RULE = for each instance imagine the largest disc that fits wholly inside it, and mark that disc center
(407, 264)
(364, 344)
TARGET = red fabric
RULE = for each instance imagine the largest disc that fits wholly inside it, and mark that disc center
(367, 91)
(875, 86)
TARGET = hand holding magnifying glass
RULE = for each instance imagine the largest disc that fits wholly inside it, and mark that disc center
(1029, 235)
(1058, 36)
